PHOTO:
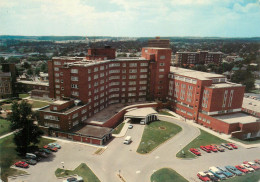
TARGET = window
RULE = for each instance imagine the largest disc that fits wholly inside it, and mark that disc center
(205, 98)
(74, 78)
(57, 86)
(133, 65)
(95, 69)
(143, 76)
(162, 57)
(101, 67)
(144, 64)
(96, 76)
(74, 70)
(83, 111)
(132, 70)
(143, 82)
(56, 69)
(50, 117)
(74, 86)
(57, 63)
(57, 80)
(143, 70)
(89, 70)
(75, 115)
(161, 76)
(132, 83)
(75, 93)
(230, 98)
(162, 64)
(132, 76)
(225, 98)
(89, 78)
(75, 123)
(83, 118)
(57, 74)
(161, 70)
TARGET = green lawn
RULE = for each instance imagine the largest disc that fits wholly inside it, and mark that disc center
(167, 175)
(6, 106)
(23, 95)
(251, 177)
(9, 155)
(156, 133)
(165, 113)
(38, 104)
(82, 170)
(4, 126)
(118, 129)
(247, 142)
(204, 138)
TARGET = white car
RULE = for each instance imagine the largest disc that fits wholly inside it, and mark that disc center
(248, 167)
(74, 179)
(130, 126)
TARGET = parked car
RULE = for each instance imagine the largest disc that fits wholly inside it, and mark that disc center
(211, 176)
(32, 156)
(45, 150)
(21, 164)
(130, 126)
(205, 149)
(234, 170)
(242, 169)
(217, 173)
(252, 164)
(225, 172)
(53, 149)
(74, 179)
(257, 161)
(54, 145)
(41, 154)
(232, 145)
(195, 151)
(227, 146)
(219, 148)
(202, 176)
(212, 148)
(31, 161)
(248, 167)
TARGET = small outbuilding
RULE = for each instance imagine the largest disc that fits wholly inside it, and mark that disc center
(145, 115)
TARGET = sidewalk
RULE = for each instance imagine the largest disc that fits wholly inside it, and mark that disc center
(6, 135)
(222, 136)
(123, 131)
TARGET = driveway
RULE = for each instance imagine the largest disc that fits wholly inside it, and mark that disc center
(135, 167)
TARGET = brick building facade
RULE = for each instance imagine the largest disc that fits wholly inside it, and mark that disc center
(96, 82)
(200, 57)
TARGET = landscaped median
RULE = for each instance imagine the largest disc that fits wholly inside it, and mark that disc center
(82, 170)
(156, 133)
(204, 138)
(9, 156)
(118, 129)
(167, 174)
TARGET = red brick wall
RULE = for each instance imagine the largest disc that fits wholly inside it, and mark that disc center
(109, 53)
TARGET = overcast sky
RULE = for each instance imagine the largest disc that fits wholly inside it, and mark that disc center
(131, 18)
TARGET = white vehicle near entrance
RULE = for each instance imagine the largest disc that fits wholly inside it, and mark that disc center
(128, 140)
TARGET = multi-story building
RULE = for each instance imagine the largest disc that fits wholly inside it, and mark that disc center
(157, 42)
(7, 80)
(97, 83)
(200, 57)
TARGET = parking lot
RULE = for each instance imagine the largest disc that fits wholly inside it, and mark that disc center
(133, 166)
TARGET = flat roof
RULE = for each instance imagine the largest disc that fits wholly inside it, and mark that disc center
(94, 131)
(224, 85)
(33, 82)
(194, 74)
(237, 118)
(156, 48)
(252, 104)
(60, 102)
(64, 111)
(142, 112)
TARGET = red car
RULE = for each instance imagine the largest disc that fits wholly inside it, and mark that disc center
(53, 149)
(202, 176)
(252, 165)
(21, 164)
(206, 149)
(242, 169)
(212, 148)
(257, 161)
(232, 145)
(195, 151)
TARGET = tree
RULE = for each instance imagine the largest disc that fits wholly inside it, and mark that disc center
(30, 71)
(21, 119)
(26, 65)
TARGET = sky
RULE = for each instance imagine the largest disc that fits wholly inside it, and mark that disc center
(131, 18)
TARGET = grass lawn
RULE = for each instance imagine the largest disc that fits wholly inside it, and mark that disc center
(155, 133)
(204, 138)
(4, 126)
(82, 170)
(23, 95)
(38, 104)
(118, 129)
(255, 91)
(165, 113)
(167, 175)
(247, 142)
(251, 177)
(6, 106)
(9, 155)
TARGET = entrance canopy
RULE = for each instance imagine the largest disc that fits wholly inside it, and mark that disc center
(145, 114)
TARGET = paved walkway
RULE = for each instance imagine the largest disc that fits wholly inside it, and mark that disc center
(123, 131)
(6, 135)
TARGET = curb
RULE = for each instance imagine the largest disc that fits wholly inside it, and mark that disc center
(15, 176)
(67, 176)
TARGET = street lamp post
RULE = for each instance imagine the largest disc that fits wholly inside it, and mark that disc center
(62, 163)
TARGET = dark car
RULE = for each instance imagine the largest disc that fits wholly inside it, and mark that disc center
(31, 161)
(45, 150)
(41, 154)
(211, 176)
